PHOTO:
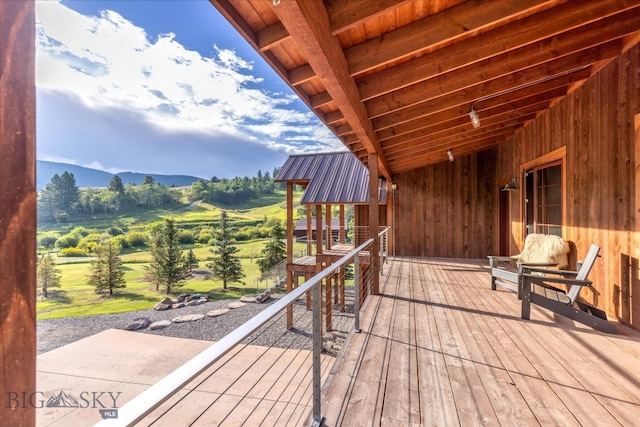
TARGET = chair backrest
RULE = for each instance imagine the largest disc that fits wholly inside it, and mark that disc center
(540, 248)
(584, 271)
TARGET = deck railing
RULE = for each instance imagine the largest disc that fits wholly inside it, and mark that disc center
(337, 294)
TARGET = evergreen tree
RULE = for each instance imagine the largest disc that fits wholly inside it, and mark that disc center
(60, 197)
(68, 192)
(116, 185)
(48, 274)
(106, 268)
(148, 180)
(275, 250)
(224, 264)
(168, 267)
(192, 262)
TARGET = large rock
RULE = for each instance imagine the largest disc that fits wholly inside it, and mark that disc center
(177, 305)
(218, 312)
(248, 298)
(193, 302)
(161, 307)
(138, 323)
(236, 304)
(187, 318)
(167, 301)
(160, 324)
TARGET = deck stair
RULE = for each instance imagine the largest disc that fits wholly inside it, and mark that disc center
(276, 275)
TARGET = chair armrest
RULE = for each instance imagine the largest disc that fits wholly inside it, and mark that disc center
(500, 258)
(561, 280)
(566, 273)
(537, 264)
(494, 260)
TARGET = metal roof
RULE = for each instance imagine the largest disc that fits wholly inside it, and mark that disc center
(330, 178)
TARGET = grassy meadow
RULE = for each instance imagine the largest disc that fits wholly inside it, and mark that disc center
(76, 298)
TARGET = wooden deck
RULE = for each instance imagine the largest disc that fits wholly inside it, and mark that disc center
(438, 347)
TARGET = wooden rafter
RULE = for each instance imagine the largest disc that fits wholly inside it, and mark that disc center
(399, 77)
(308, 24)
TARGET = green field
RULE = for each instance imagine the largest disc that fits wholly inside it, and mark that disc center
(76, 298)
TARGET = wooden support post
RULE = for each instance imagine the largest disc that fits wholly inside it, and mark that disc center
(309, 231)
(329, 230)
(374, 222)
(390, 213)
(290, 227)
(342, 289)
(319, 229)
(17, 211)
(343, 231)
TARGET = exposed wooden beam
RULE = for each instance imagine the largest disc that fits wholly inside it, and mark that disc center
(334, 117)
(435, 30)
(301, 75)
(570, 16)
(320, 99)
(271, 36)
(493, 125)
(462, 123)
(439, 154)
(308, 24)
(517, 99)
(473, 87)
(344, 130)
(345, 14)
(525, 57)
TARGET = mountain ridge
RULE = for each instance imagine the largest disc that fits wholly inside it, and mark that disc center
(88, 177)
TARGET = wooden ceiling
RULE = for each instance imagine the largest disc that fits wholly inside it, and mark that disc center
(399, 77)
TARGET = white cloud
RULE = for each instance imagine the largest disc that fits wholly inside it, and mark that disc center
(110, 63)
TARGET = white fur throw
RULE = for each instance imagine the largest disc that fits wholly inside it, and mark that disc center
(544, 248)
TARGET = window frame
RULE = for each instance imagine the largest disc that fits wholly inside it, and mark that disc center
(553, 158)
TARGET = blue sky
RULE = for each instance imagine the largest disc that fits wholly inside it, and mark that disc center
(162, 87)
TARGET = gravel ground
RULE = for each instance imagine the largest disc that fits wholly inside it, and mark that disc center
(54, 333)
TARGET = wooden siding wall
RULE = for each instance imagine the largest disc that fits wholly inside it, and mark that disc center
(597, 125)
(17, 212)
(361, 219)
(448, 209)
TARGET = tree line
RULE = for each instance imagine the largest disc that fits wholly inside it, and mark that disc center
(233, 191)
(62, 198)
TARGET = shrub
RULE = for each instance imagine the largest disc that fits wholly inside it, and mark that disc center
(80, 232)
(245, 233)
(136, 238)
(186, 237)
(115, 231)
(48, 240)
(89, 242)
(67, 241)
(72, 252)
(120, 241)
(205, 238)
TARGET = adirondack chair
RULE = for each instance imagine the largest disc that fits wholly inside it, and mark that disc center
(539, 290)
(540, 250)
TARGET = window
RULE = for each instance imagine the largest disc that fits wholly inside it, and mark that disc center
(544, 199)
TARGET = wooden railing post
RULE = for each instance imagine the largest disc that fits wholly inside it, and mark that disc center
(374, 222)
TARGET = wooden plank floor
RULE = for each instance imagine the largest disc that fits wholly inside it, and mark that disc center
(439, 348)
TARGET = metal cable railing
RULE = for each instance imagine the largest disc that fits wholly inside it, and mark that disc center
(303, 344)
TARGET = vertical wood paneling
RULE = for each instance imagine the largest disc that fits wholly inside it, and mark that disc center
(17, 211)
(448, 209)
(596, 125)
